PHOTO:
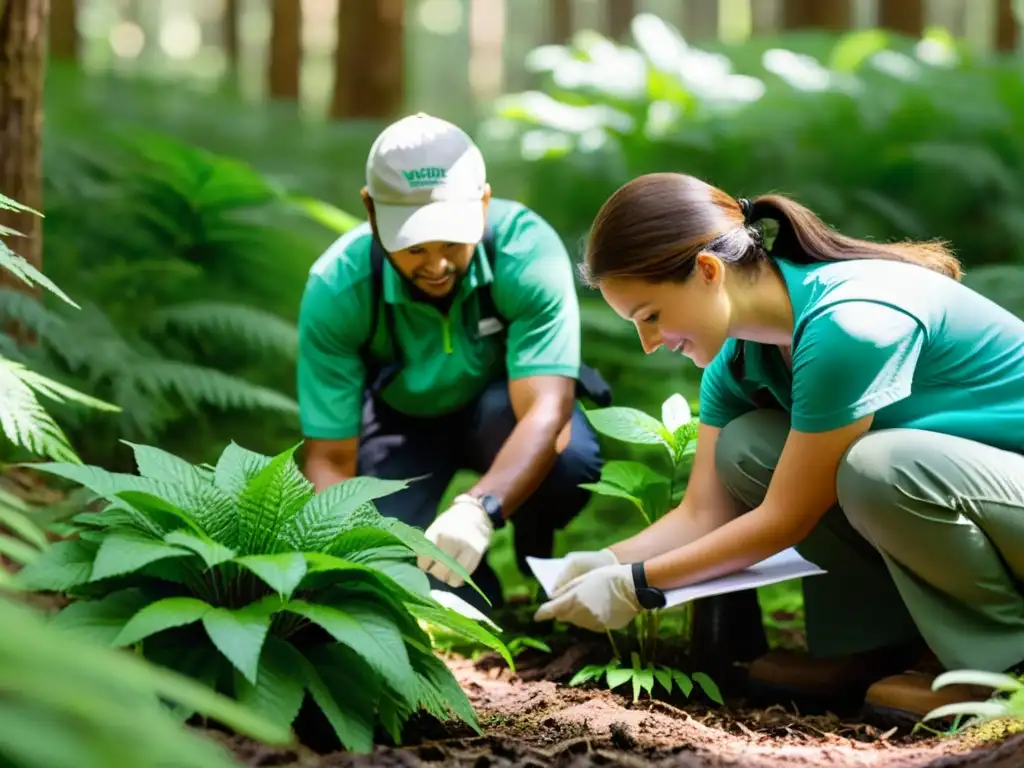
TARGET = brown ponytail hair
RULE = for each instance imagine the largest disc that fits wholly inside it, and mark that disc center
(653, 227)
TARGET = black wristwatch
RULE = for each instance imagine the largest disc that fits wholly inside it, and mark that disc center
(648, 596)
(492, 506)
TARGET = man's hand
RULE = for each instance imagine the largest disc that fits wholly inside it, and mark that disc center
(602, 599)
(579, 563)
(463, 532)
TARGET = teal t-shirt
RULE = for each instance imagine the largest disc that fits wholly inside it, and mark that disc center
(447, 361)
(915, 348)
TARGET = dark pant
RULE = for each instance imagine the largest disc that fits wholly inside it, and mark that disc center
(396, 446)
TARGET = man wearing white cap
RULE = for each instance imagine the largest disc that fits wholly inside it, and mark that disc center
(444, 334)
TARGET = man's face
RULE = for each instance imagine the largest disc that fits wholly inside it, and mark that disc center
(434, 268)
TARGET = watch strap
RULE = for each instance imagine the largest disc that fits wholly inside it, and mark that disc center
(649, 597)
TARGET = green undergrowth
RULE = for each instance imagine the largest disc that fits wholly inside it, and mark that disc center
(238, 575)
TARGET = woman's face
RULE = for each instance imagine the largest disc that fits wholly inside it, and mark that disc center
(691, 317)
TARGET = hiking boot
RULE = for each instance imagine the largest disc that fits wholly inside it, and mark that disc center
(902, 700)
(816, 685)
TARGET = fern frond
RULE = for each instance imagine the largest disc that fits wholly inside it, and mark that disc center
(197, 385)
(45, 324)
(257, 329)
(7, 204)
(24, 420)
(28, 274)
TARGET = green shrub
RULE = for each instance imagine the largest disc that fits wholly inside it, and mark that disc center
(239, 575)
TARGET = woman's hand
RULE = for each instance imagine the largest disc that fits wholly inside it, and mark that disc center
(579, 563)
(602, 599)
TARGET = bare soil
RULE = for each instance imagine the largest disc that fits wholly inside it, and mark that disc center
(543, 723)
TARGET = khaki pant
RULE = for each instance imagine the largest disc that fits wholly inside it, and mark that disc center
(927, 539)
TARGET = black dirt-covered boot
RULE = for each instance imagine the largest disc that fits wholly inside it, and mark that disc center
(727, 632)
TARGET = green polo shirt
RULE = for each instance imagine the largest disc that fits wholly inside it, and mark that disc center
(916, 349)
(446, 362)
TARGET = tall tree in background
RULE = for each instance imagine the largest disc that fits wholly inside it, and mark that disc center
(283, 81)
(618, 14)
(817, 14)
(905, 16)
(560, 28)
(64, 30)
(230, 38)
(369, 62)
(24, 25)
(1007, 27)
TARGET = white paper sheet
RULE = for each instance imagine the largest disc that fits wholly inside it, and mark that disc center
(783, 566)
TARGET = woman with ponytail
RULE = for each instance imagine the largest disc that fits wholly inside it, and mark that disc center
(857, 402)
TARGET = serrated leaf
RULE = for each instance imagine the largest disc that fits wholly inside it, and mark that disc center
(282, 572)
(440, 692)
(370, 633)
(121, 553)
(64, 565)
(278, 695)
(456, 622)
(236, 467)
(329, 513)
(240, 634)
(159, 616)
(28, 274)
(269, 502)
(212, 553)
(418, 542)
(100, 621)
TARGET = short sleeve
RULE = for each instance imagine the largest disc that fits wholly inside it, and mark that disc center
(536, 292)
(852, 360)
(330, 371)
(721, 399)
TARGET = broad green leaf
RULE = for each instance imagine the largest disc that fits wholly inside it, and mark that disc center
(683, 681)
(64, 565)
(456, 622)
(631, 476)
(352, 544)
(630, 426)
(328, 514)
(417, 541)
(709, 687)
(18, 516)
(440, 692)
(278, 694)
(617, 677)
(370, 633)
(282, 573)
(352, 683)
(664, 676)
(236, 467)
(269, 502)
(606, 489)
(159, 616)
(586, 674)
(121, 553)
(348, 713)
(213, 553)
(157, 464)
(100, 621)
(239, 634)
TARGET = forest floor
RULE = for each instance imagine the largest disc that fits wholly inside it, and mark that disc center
(540, 722)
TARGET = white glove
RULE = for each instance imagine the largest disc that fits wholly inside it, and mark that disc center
(604, 598)
(578, 563)
(463, 532)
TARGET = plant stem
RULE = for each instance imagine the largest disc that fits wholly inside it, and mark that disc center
(611, 640)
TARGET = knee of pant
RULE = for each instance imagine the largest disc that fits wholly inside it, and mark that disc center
(868, 481)
(755, 438)
(580, 461)
(494, 413)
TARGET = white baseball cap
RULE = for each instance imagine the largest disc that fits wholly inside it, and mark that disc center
(427, 179)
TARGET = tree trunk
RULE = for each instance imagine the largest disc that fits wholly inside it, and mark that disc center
(229, 32)
(560, 29)
(285, 50)
(618, 14)
(23, 30)
(369, 62)
(765, 15)
(700, 20)
(904, 16)
(64, 30)
(1007, 28)
(819, 14)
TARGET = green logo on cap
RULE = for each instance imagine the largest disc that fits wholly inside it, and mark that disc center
(426, 176)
